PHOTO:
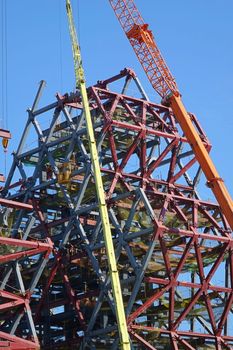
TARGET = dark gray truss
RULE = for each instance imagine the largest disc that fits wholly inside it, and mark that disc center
(171, 247)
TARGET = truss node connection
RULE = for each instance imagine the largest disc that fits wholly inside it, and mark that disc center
(148, 54)
(173, 250)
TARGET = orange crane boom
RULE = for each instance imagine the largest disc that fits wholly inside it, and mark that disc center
(143, 43)
(158, 73)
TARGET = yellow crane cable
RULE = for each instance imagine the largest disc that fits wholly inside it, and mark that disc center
(114, 276)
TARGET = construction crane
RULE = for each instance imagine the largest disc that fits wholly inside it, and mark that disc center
(158, 73)
(81, 86)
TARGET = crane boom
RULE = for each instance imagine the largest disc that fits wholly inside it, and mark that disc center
(143, 43)
(114, 276)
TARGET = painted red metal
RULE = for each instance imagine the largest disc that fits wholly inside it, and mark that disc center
(13, 204)
(16, 343)
(171, 246)
(16, 302)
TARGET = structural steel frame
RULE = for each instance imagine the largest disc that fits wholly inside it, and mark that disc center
(171, 246)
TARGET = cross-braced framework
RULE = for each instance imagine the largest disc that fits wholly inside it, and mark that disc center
(17, 330)
(173, 249)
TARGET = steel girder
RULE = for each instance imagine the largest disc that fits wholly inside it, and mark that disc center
(174, 250)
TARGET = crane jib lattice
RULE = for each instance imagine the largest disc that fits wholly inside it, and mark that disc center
(143, 43)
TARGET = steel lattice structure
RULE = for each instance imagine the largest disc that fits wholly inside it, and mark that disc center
(18, 252)
(173, 249)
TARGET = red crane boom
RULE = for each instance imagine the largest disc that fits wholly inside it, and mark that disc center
(143, 43)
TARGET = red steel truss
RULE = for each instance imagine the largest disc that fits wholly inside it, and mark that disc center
(173, 249)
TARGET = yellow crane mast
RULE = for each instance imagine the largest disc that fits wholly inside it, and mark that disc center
(114, 276)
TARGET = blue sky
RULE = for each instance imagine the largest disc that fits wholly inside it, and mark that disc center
(195, 38)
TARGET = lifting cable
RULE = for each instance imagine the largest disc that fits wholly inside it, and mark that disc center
(4, 77)
(4, 68)
(60, 44)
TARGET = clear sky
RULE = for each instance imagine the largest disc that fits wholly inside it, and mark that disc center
(195, 38)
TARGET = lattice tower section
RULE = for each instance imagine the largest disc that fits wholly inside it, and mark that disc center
(173, 249)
